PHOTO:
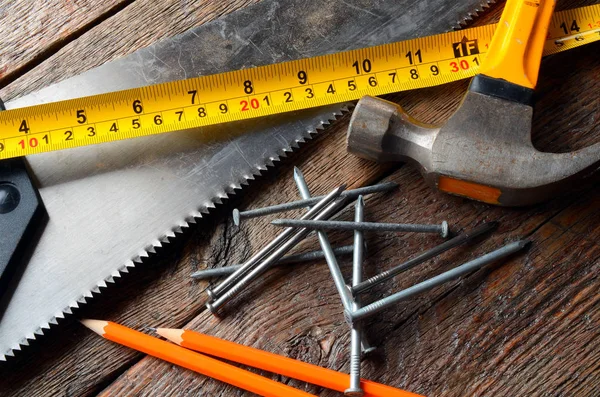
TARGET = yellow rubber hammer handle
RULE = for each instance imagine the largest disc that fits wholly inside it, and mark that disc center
(515, 52)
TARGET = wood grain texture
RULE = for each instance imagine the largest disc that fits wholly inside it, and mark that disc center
(527, 326)
(31, 30)
(138, 25)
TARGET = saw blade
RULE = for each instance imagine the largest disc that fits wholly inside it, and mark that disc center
(110, 205)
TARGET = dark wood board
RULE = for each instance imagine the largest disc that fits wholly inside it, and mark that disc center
(31, 31)
(526, 326)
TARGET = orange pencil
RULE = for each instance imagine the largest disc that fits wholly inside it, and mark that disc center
(275, 363)
(191, 360)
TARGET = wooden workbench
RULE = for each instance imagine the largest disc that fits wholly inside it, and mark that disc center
(528, 326)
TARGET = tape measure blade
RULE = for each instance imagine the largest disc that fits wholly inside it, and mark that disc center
(248, 93)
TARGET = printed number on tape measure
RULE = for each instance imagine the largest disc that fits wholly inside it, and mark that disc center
(270, 89)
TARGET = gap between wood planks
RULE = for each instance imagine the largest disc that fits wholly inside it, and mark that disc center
(61, 42)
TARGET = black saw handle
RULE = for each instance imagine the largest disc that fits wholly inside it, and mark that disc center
(22, 215)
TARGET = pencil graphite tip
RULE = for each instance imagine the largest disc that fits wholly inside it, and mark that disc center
(95, 325)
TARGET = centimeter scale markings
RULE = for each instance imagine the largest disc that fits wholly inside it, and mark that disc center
(269, 89)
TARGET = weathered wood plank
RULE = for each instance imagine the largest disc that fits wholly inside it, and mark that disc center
(505, 330)
(33, 30)
(138, 25)
(419, 348)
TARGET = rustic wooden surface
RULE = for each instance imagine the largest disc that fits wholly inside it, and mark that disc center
(527, 326)
(32, 30)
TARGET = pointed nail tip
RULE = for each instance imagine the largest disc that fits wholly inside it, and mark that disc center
(524, 243)
(298, 175)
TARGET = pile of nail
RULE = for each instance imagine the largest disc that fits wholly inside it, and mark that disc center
(320, 210)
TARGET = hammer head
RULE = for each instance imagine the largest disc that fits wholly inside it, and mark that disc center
(483, 152)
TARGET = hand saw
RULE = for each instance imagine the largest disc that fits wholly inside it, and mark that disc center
(111, 205)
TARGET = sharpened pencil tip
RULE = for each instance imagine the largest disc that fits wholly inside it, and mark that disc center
(95, 325)
(276, 221)
(171, 334)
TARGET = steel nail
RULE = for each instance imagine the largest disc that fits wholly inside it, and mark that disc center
(433, 282)
(356, 331)
(442, 229)
(238, 215)
(286, 260)
(424, 256)
(265, 264)
(330, 258)
(278, 241)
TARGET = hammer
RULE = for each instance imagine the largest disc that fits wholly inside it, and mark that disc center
(484, 151)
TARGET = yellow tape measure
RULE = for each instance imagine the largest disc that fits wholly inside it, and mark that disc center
(270, 89)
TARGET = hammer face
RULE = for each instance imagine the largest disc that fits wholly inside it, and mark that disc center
(483, 152)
